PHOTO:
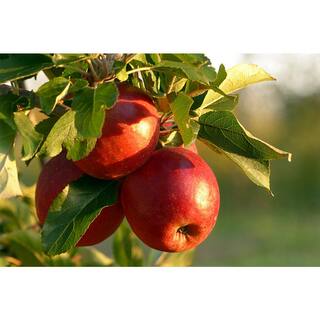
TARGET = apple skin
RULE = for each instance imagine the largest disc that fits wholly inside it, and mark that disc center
(129, 136)
(56, 174)
(172, 202)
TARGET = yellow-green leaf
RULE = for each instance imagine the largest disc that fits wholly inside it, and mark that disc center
(238, 77)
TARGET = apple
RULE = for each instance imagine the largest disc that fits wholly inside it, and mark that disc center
(129, 136)
(56, 174)
(172, 202)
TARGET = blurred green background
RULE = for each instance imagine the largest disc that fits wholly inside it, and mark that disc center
(254, 228)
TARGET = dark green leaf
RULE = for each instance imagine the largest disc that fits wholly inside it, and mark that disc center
(44, 127)
(78, 85)
(192, 58)
(223, 130)
(31, 139)
(74, 210)
(52, 92)
(126, 249)
(65, 134)
(182, 70)
(90, 105)
(180, 108)
(258, 171)
(17, 66)
(75, 70)
(8, 106)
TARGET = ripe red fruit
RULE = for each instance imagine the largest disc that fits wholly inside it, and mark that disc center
(55, 175)
(172, 202)
(129, 136)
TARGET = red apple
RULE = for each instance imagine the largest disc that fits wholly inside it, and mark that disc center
(172, 202)
(55, 176)
(129, 136)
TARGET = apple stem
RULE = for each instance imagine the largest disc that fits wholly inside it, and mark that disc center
(165, 132)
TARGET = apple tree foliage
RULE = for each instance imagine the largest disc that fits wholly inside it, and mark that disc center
(196, 100)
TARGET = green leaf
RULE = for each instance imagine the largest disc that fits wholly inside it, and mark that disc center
(64, 134)
(78, 85)
(182, 70)
(68, 58)
(75, 70)
(227, 103)
(92, 257)
(221, 76)
(182, 259)
(191, 58)
(26, 246)
(173, 139)
(126, 248)
(258, 171)
(90, 105)
(45, 126)
(223, 129)
(122, 74)
(74, 209)
(52, 92)
(16, 213)
(180, 108)
(61, 260)
(7, 108)
(31, 139)
(9, 183)
(17, 66)
(238, 77)
(209, 72)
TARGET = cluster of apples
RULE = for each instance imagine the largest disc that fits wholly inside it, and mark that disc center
(170, 197)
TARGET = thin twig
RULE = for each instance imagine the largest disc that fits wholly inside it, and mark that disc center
(140, 69)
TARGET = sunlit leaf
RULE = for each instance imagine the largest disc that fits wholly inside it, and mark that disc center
(64, 134)
(238, 77)
(180, 107)
(9, 183)
(52, 92)
(90, 105)
(31, 139)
